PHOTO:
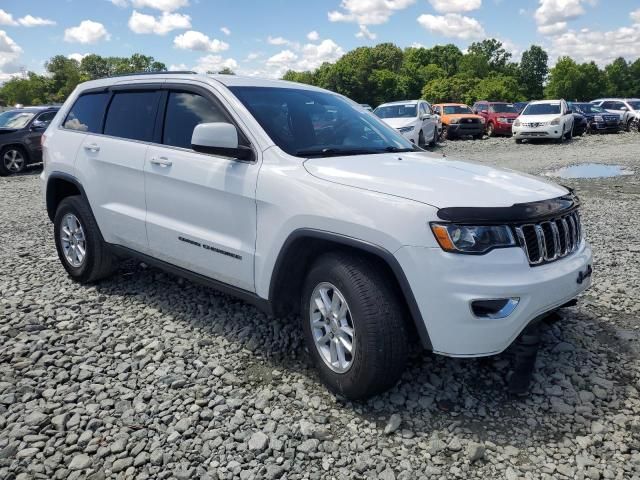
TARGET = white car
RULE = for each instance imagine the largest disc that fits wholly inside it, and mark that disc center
(414, 119)
(544, 119)
(627, 108)
(297, 200)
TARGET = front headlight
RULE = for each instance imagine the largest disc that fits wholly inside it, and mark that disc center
(502, 120)
(556, 121)
(454, 120)
(472, 239)
(406, 129)
(516, 123)
(598, 118)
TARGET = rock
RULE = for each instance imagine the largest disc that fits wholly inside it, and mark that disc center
(387, 474)
(393, 424)
(258, 441)
(36, 419)
(80, 462)
(475, 451)
(120, 445)
(597, 427)
(183, 425)
(141, 459)
(454, 445)
(156, 457)
(309, 445)
(121, 464)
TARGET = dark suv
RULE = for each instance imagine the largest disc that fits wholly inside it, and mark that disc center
(499, 116)
(20, 132)
(598, 119)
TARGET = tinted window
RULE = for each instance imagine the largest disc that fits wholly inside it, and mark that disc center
(87, 113)
(396, 111)
(456, 109)
(46, 117)
(503, 108)
(132, 115)
(184, 112)
(542, 109)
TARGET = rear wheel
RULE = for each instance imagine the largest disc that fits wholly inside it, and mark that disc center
(12, 160)
(81, 249)
(353, 326)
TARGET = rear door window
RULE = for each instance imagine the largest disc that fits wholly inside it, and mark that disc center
(132, 115)
(87, 113)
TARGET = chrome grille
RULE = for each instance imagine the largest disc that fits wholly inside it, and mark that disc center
(550, 240)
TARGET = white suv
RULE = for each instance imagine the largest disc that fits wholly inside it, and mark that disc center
(627, 108)
(544, 119)
(414, 119)
(296, 199)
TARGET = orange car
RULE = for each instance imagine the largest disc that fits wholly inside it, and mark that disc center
(458, 120)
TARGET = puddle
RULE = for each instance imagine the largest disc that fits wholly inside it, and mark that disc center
(590, 170)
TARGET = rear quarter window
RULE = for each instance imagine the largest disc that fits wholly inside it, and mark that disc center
(87, 113)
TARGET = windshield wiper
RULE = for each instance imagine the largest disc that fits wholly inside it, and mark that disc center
(399, 150)
(335, 152)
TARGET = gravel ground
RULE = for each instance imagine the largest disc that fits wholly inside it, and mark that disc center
(150, 376)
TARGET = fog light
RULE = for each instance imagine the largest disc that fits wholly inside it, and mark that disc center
(494, 308)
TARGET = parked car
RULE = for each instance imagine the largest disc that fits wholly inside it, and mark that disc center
(414, 119)
(627, 108)
(544, 119)
(20, 132)
(498, 116)
(580, 123)
(367, 107)
(458, 120)
(519, 106)
(598, 119)
(370, 240)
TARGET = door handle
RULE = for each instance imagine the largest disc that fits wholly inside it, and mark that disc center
(161, 161)
(92, 147)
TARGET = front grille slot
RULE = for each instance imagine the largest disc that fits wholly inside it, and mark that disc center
(550, 240)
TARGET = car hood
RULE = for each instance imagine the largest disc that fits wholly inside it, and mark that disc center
(462, 115)
(434, 180)
(538, 118)
(398, 122)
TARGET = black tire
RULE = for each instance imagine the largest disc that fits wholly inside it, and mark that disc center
(421, 142)
(478, 136)
(5, 168)
(627, 127)
(381, 340)
(98, 262)
(569, 135)
(434, 140)
(518, 141)
(490, 130)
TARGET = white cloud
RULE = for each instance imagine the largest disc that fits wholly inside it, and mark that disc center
(368, 12)
(178, 67)
(364, 32)
(314, 55)
(162, 5)
(87, 32)
(253, 56)
(552, 14)
(277, 40)
(635, 15)
(313, 36)
(31, 21)
(285, 57)
(6, 18)
(77, 56)
(600, 46)
(9, 54)
(453, 25)
(141, 23)
(193, 40)
(214, 63)
(455, 6)
(225, 30)
(120, 3)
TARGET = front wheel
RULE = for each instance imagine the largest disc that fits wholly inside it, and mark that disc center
(434, 140)
(490, 130)
(518, 141)
(12, 160)
(81, 249)
(421, 142)
(569, 134)
(353, 326)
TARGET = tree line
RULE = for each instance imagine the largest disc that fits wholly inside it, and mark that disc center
(383, 73)
(486, 71)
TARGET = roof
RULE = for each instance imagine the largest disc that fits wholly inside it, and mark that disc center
(537, 102)
(37, 108)
(616, 99)
(401, 102)
(450, 104)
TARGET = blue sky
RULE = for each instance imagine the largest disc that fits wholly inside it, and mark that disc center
(267, 37)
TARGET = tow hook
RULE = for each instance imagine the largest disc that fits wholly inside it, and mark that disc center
(582, 276)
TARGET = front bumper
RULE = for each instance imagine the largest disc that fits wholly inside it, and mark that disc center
(445, 284)
(606, 126)
(462, 129)
(502, 128)
(545, 131)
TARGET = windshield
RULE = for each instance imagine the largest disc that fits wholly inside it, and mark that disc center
(503, 108)
(396, 111)
(309, 123)
(15, 119)
(587, 108)
(456, 109)
(542, 109)
(635, 104)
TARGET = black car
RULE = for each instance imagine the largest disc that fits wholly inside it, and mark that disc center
(598, 119)
(20, 132)
(580, 123)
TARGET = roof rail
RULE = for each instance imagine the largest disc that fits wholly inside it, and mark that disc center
(163, 72)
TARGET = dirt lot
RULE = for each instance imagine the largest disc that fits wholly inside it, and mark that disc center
(150, 376)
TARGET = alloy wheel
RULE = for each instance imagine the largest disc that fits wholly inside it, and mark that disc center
(13, 160)
(332, 327)
(73, 240)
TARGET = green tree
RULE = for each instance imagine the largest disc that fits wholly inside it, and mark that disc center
(564, 80)
(493, 51)
(94, 66)
(619, 78)
(593, 81)
(458, 88)
(533, 72)
(498, 87)
(474, 65)
(226, 71)
(65, 75)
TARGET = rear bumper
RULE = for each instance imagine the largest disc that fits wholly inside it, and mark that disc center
(445, 284)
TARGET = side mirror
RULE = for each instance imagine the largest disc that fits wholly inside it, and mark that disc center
(425, 116)
(624, 109)
(219, 139)
(569, 111)
(38, 125)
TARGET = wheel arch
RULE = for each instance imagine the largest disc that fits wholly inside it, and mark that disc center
(20, 145)
(60, 186)
(304, 245)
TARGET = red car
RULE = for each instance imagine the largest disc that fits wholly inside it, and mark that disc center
(499, 116)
